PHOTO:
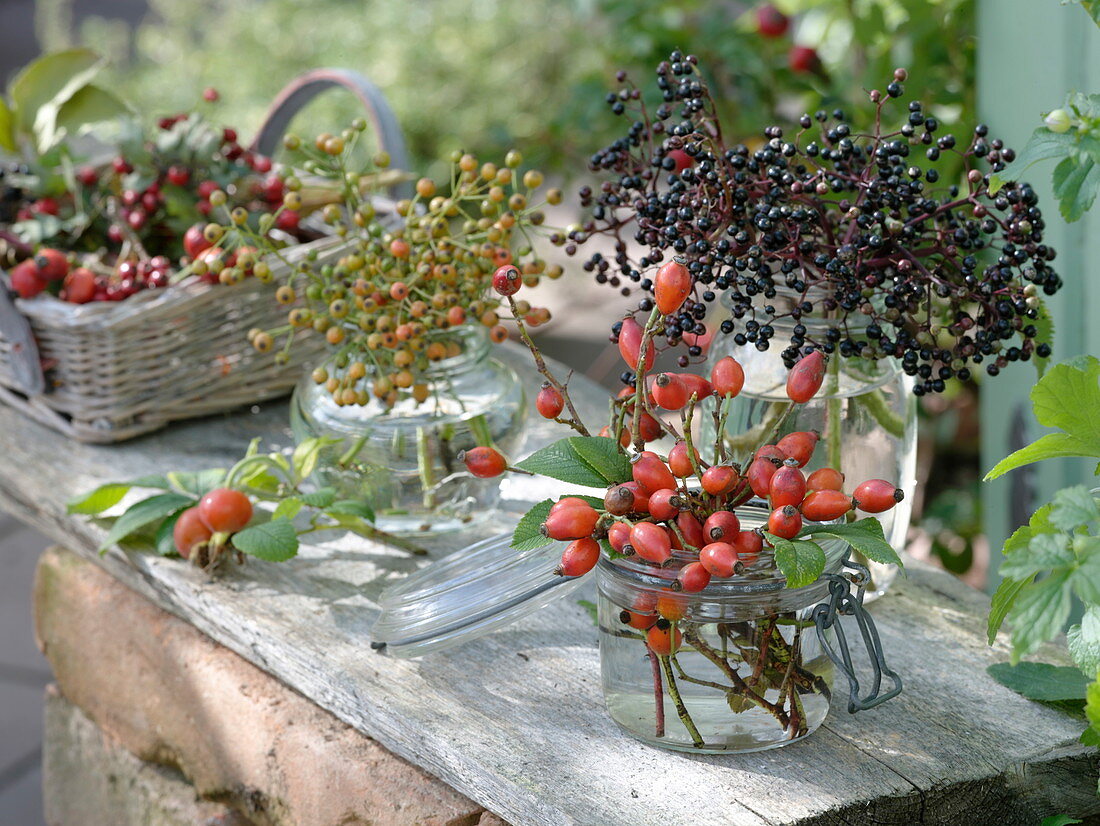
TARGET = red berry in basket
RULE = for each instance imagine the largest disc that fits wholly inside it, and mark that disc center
(630, 344)
(788, 485)
(771, 22)
(785, 522)
(651, 542)
(207, 188)
(803, 59)
(719, 558)
(287, 221)
(651, 472)
(825, 478)
(225, 510)
(136, 218)
(25, 280)
(618, 536)
(46, 206)
(679, 461)
(87, 176)
(664, 504)
(719, 479)
(570, 518)
(79, 286)
(671, 286)
(507, 280)
(179, 175)
(806, 377)
(760, 474)
(194, 240)
(728, 377)
(549, 402)
(662, 641)
(670, 392)
(190, 530)
(693, 577)
(52, 264)
(826, 505)
(273, 189)
(579, 557)
(619, 500)
(748, 545)
(483, 462)
(799, 445)
(721, 525)
(691, 529)
(877, 496)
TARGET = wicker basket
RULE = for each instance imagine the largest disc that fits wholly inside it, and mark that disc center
(106, 372)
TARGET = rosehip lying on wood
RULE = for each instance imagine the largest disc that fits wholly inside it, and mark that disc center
(189, 531)
(225, 510)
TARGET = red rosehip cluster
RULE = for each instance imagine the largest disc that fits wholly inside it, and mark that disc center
(223, 511)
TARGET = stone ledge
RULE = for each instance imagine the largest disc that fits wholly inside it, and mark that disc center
(174, 697)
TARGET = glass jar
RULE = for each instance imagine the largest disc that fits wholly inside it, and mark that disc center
(865, 412)
(403, 460)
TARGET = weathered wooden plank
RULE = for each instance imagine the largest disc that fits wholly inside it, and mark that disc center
(516, 720)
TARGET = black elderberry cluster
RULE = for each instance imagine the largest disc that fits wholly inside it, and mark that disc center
(852, 229)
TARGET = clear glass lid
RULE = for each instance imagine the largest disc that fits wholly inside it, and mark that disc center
(471, 592)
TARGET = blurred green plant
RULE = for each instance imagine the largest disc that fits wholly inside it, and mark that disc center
(485, 75)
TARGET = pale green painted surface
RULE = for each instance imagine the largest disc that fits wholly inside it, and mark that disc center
(1030, 54)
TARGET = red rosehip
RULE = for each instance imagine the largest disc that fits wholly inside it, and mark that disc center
(697, 386)
(806, 377)
(825, 478)
(719, 479)
(549, 402)
(483, 462)
(728, 377)
(693, 577)
(79, 286)
(507, 280)
(52, 264)
(691, 529)
(570, 518)
(287, 220)
(25, 280)
(662, 641)
(669, 392)
(618, 536)
(799, 445)
(649, 428)
(179, 175)
(225, 510)
(803, 59)
(826, 505)
(785, 522)
(642, 615)
(273, 189)
(788, 486)
(630, 345)
(664, 504)
(190, 530)
(679, 461)
(640, 494)
(771, 22)
(671, 286)
(760, 474)
(651, 472)
(46, 206)
(619, 500)
(877, 496)
(721, 525)
(651, 542)
(579, 557)
(719, 558)
(748, 545)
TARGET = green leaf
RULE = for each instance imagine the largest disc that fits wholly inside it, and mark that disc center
(603, 455)
(864, 536)
(88, 105)
(275, 541)
(352, 507)
(144, 513)
(1073, 506)
(100, 499)
(1041, 681)
(288, 508)
(7, 128)
(1086, 578)
(1076, 182)
(49, 81)
(1058, 820)
(1041, 612)
(307, 454)
(1042, 145)
(1068, 398)
(1090, 737)
(1044, 552)
(1092, 709)
(801, 562)
(1084, 641)
(1003, 600)
(320, 498)
(164, 541)
(1049, 446)
(560, 461)
(197, 483)
(526, 536)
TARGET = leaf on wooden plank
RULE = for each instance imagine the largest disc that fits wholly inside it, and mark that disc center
(274, 541)
(288, 508)
(197, 483)
(163, 540)
(1041, 681)
(144, 513)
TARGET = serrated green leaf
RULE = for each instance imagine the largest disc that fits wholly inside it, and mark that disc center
(163, 540)
(1049, 446)
(1042, 145)
(352, 507)
(307, 454)
(1003, 600)
(1085, 579)
(144, 513)
(320, 498)
(275, 541)
(527, 536)
(100, 499)
(1084, 641)
(603, 455)
(1076, 182)
(560, 461)
(801, 562)
(1041, 681)
(1068, 398)
(1044, 552)
(197, 483)
(1041, 612)
(1073, 506)
(864, 536)
(288, 508)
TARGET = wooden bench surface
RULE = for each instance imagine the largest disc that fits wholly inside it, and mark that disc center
(516, 720)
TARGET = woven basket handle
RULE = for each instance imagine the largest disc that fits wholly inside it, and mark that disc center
(26, 367)
(304, 88)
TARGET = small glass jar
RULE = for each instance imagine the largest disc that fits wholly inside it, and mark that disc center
(746, 671)
(865, 412)
(403, 459)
